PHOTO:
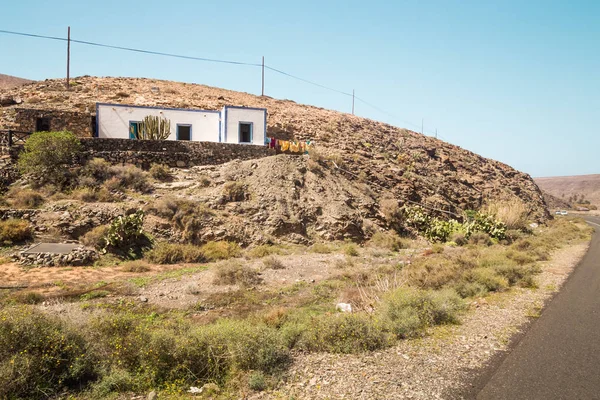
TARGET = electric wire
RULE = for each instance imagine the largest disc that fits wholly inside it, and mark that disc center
(214, 60)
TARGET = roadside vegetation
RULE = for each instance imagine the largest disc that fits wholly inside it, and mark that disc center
(241, 336)
(128, 347)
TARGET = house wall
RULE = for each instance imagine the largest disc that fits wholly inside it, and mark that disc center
(113, 121)
(80, 123)
(232, 116)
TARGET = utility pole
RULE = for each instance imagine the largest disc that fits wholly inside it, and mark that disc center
(436, 133)
(263, 76)
(68, 55)
(352, 101)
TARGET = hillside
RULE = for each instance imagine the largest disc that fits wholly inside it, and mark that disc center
(564, 187)
(9, 82)
(387, 161)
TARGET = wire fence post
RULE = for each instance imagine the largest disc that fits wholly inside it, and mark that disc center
(262, 93)
(68, 55)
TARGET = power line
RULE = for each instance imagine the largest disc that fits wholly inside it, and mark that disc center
(158, 53)
(164, 54)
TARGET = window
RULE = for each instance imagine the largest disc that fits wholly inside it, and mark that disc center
(134, 129)
(42, 125)
(184, 132)
(245, 132)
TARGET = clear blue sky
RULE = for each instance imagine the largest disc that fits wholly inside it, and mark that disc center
(517, 81)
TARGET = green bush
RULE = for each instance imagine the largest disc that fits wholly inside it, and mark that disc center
(173, 253)
(125, 236)
(39, 355)
(222, 250)
(342, 333)
(488, 278)
(407, 312)
(15, 231)
(47, 156)
(257, 381)
(136, 266)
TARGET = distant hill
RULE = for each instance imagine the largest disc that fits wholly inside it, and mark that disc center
(9, 82)
(564, 187)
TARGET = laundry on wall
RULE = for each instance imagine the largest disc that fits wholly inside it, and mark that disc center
(290, 146)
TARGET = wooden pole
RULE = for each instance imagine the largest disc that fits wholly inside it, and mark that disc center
(263, 77)
(352, 101)
(68, 55)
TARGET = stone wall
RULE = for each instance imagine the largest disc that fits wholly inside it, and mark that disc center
(80, 123)
(172, 153)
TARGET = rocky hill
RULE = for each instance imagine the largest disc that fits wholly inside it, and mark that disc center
(565, 187)
(9, 82)
(370, 160)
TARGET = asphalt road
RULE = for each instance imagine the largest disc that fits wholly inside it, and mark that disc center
(559, 356)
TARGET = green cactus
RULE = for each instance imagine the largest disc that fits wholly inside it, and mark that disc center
(154, 128)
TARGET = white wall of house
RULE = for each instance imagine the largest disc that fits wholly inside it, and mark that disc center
(113, 121)
(233, 116)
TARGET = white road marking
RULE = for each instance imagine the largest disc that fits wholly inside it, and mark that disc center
(593, 223)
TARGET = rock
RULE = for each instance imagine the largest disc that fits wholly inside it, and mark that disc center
(143, 299)
(152, 396)
(344, 307)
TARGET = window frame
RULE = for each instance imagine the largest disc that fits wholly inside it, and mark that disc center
(131, 136)
(240, 131)
(177, 132)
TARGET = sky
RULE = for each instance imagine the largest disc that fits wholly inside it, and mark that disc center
(516, 81)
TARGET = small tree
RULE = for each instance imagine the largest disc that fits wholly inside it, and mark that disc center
(48, 156)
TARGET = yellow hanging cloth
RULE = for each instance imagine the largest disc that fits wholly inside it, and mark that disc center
(294, 147)
(285, 145)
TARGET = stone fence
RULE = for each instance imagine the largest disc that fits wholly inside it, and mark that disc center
(182, 154)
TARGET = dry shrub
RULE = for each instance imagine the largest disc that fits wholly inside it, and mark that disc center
(25, 198)
(99, 172)
(15, 231)
(237, 274)
(459, 238)
(187, 216)
(89, 195)
(136, 266)
(480, 239)
(263, 251)
(388, 240)
(222, 250)
(513, 213)
(350, 250)
(173, 253)
(273, 263)
(161, 173)
(235, 191)
(95, 237)
(321, 248)
(390, 208)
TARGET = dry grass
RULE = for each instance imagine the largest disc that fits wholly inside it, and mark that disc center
(236, 273)
(513, 213)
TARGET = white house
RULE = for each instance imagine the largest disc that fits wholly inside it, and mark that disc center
(232, 124)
